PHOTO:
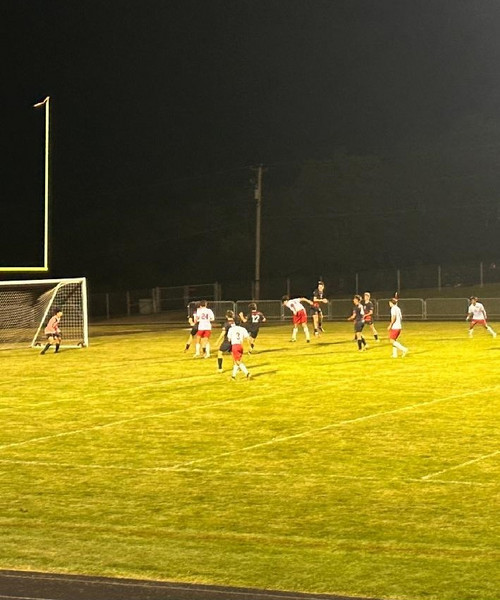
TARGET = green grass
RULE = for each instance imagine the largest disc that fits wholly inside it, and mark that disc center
(331, 471)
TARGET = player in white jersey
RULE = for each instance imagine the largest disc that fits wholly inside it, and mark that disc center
(236, 336)
(203, 317)
(395, 327)
(299, 315)
(477, 316)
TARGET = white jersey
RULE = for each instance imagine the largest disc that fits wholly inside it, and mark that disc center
(204, 317)
(295, 305)
(236, 334)
(397, 317)
(477, 312)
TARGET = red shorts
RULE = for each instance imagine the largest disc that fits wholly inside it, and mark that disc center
(477, 322)
(394, 334)
(237, 352)
(204, 333)
(300, 317)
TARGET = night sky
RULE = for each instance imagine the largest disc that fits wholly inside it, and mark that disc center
(378, 122)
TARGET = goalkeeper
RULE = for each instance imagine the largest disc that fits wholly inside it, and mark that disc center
(53, 332)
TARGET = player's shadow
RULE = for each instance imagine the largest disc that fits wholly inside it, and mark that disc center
(267, 351)
(273, 372)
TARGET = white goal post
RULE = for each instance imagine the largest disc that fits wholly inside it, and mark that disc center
(27, 306)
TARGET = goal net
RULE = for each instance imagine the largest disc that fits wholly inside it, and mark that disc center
(27, 306)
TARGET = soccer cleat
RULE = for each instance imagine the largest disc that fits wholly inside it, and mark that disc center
(207, 356)
(219, 370)
(233, 378)
(292, 340)
(405, 352)
(249, 376)
(308, 341)
(494, 334)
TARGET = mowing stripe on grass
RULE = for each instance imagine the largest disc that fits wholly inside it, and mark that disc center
(309, 476)
(122, 422)
(310, 432)
(465, 464)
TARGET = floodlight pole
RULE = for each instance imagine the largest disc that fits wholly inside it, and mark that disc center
(258, 198)
(46, 102)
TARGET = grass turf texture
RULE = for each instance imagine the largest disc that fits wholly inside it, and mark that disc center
(331, 471)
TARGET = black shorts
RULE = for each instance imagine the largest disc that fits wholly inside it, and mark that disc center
(56, 336)
(316, 310)
(225, 346)
(253, 333)
(358, 326)
(194, 330)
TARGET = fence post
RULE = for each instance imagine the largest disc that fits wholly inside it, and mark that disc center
(127, 295)
(439, 277)
(398, 280)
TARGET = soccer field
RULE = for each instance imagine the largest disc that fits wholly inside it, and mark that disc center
(330, 471)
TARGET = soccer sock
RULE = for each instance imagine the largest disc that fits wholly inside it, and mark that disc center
(399, 346)
(375, 335)
(490, 329)
(360, 344)
(306, 331)
(363, 341)
(252, 345)
(57, 348)
(294, 333)
(219, 363)
(207, 349)
(187, 346)
(394, 352)
(235, 370)
(45, 349)
(197, 349)
(243, 368)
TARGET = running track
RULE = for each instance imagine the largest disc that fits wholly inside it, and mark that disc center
(21, 585)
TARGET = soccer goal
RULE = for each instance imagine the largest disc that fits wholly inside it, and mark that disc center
(26, 307)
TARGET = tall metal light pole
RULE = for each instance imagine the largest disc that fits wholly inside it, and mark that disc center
(46, 103)
(258, 198)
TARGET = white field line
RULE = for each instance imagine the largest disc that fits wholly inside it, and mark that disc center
(310, 432)
(122, 422)
(156, 384)
(263, 474)
(273, 441)
(461, 465)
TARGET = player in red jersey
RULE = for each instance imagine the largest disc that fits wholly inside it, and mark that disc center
(299, 315)
(53, 331)
(236, 336)
(203, 318)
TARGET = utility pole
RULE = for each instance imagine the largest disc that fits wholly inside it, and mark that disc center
(258, 198)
